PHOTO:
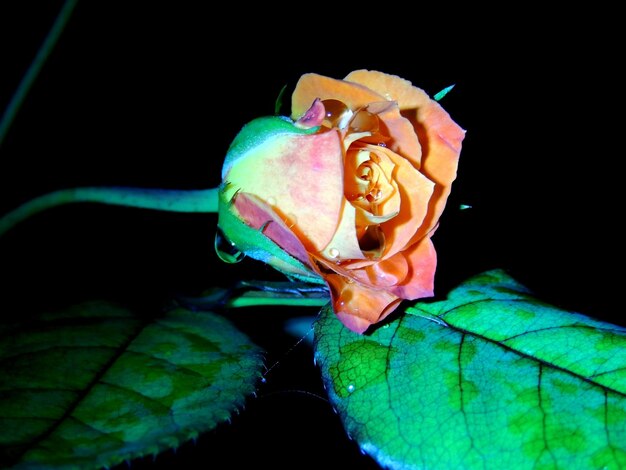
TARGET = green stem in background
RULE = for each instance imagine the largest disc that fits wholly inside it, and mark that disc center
(199, 200)
(35, 67)
(254, 293)
(252, 299)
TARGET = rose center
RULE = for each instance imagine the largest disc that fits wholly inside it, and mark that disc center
(368, 170)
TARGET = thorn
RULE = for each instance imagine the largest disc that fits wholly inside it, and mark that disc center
(443, 92)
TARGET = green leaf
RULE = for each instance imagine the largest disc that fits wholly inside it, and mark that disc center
(95, 385)
(490, 378)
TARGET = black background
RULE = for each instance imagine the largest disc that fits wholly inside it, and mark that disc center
(152, 96)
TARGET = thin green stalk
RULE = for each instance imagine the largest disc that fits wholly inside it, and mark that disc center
(35, 67)
(253, 299)
(200, 200)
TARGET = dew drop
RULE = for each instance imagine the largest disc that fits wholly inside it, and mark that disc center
(364, 121)
(271, 201)
(226, 250)
(350, 388)
(334, 253)
(386, 325)
(335, 111)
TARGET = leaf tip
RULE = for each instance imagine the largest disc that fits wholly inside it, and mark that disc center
(438, 96)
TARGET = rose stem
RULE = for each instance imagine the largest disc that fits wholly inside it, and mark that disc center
(248, 300)
(35, 67)
(198, 200)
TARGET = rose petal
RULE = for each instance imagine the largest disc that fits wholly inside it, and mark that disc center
(358, 306)
(439, 135)
(301, 176)
(344, 244)
(404, 140)
(312, 86)
(441, 138)
(355, 96)
(313, 117)
(416, 191)
(384, 274)
(379, 207)
(420, 279)
(391, 87)
(259, 215)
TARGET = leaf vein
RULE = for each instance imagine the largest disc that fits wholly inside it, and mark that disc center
(536, 359)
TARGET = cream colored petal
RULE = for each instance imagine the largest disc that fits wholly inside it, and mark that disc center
(344, 243)
(301, 177)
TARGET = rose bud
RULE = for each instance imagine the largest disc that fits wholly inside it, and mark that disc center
(348, 191)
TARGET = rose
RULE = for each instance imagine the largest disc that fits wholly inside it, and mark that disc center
(350, 190)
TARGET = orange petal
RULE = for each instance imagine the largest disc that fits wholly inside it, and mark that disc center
(357, 306)
(438, 134)
(441, 141)
(312, 86)
(301, 177)
(416, 192)
(391, 87)
(420, 279)
(434, 125)
(404, 140)
(384, 274)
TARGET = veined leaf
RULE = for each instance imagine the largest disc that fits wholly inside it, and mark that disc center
(95, 385)
(490, 378)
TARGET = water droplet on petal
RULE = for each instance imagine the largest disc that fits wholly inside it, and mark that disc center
(226, 250)
(271, 201)
(350, 388)
(336, 111)
(334, 253)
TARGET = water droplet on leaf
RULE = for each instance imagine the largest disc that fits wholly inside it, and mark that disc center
(350, 388)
